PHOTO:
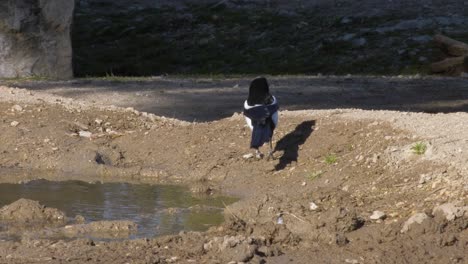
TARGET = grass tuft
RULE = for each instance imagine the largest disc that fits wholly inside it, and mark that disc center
(419, 148)
(331, 159)
(315, 175)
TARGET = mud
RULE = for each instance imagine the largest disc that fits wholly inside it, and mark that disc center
(348, 163)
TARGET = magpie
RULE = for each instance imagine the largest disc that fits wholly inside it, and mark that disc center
(261, 115)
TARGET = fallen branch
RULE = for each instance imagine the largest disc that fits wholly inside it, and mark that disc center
(457, 52)
(448, 64)
(451, 46)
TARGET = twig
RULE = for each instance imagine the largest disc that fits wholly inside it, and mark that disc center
(229, 211)
(295, 216)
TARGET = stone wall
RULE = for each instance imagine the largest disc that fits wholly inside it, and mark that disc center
(35, 38)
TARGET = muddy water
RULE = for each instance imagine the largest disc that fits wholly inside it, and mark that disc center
(156, 209)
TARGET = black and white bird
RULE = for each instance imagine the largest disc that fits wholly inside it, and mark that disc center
(261, 115)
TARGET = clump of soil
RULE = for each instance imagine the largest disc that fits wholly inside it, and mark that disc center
(29, 211)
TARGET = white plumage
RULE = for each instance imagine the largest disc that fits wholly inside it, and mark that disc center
(274, 117)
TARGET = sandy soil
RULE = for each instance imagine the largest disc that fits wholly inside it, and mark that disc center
(316, 201)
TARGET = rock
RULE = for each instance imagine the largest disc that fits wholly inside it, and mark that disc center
(422, 39)
(85, 134)
(424, 178)
(450, 211)
(248, 156)
(79, 219)
(14, 123)
(346, 20)
(17, 108)
(417, 218)
(35, 38)
(360, 42)
(348, 36)
(280, 220)
(378, 215)
(341, 240)
(313, 206)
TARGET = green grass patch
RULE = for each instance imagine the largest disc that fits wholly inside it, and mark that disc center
(315, 175)
(331, 159)
(419, 148)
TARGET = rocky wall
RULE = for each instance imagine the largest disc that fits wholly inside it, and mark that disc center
(35, 38)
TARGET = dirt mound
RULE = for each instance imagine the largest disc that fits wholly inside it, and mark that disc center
(342, 187)
(29, 211)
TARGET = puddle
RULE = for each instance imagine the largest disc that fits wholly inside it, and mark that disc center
(156, 209)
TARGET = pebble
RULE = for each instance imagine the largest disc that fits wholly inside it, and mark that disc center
(85, 134)
(313, 206)
(14, 123)
(450, 211)
(424, 178)
(17, 108)
(378, 215)
(417, 218)
(280, 220)
(248, 156)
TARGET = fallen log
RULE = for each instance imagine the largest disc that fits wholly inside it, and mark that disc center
(451, 46)
(450, 65)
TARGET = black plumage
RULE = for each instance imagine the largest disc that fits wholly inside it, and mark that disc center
(261, 112)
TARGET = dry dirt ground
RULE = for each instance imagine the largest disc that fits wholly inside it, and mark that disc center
(345, 185)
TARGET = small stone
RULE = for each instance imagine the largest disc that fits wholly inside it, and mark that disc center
(98, 121)
(360, 42)
(341, 240)
(79, 219)
(313, 206)
(303, 183)
(450, 211)
(345, 188)
(378, 215)
(85, 134)
(248, 156)
(417, 218)
(280, 221)
(14, 123)
(17, 108)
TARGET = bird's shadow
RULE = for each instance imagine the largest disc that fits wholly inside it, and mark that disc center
(290, 143)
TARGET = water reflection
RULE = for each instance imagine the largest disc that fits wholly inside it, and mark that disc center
(157, 209)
